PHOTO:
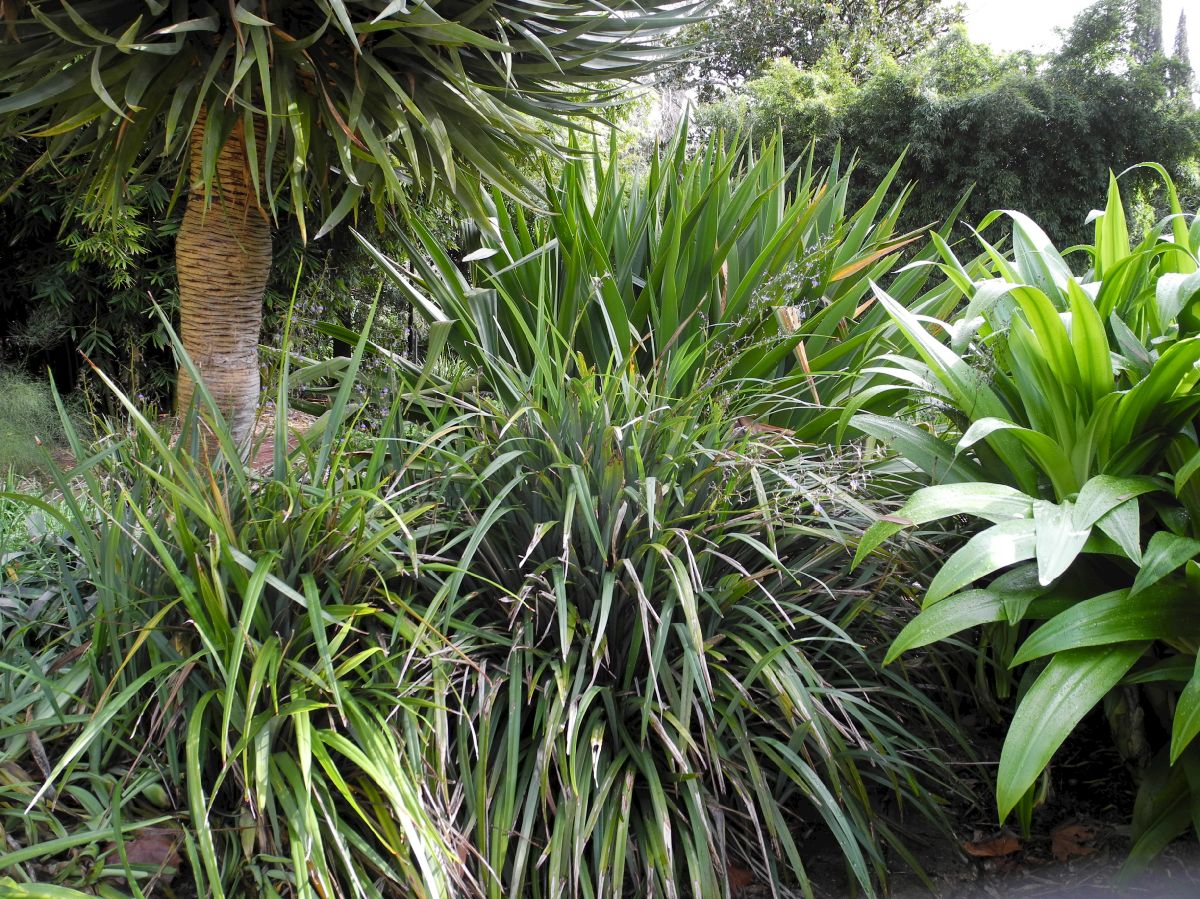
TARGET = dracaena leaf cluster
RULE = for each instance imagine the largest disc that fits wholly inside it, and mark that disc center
(348, 97)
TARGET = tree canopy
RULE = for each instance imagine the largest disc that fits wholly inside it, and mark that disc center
(738, 39)
(1018, 131)
(341, 90)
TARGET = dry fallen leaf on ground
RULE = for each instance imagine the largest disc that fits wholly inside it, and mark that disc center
(155, 847)
(1004, 844)
(1071, 841)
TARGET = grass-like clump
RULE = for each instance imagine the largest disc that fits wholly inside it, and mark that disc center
(29, 422)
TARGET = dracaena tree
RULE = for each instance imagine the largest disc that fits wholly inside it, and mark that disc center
(305, 108)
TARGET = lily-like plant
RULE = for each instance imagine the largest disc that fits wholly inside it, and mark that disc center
(1074, 403)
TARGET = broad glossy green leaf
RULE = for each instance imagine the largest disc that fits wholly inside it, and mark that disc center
(1090, 343)
(1185, 472)
(1173, 292)
(1179, 669)
(920, 448)
(1045, 321)
(1123, 526)
(1070, 686)
(1174, 372)
(960, 612)
(1104, 493)
(1183, 260)
(993, 502)
(1165, 553)
(1112, 232)
(1035, 259)
(964, 383)
(1042, 449)
(944, 619)
(1117, 617)
(1058, 538)
(996, 548)
(1019, 588)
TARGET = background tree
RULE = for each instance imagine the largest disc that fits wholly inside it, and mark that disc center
(1182, 58)
(297, 107)
(1147, 30)
(74, 284)
(1018, 131)
(739, 39)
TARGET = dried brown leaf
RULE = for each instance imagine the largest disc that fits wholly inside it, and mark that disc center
(739, 878)
(154, 847)
(996, 847)
(1072, 841)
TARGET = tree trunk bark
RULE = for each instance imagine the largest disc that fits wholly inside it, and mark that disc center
(223, 258)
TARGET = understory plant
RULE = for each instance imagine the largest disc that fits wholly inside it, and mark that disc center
(29, 422)
(1063, 412)
(601, 642)
(700, 256)
(667, 682)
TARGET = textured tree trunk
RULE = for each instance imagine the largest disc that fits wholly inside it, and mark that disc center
(223, 257)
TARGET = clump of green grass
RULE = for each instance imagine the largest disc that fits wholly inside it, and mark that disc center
(28, 546)
(12, 520)
(29, 422)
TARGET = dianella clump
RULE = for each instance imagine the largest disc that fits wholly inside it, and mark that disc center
(569, 617)
(1064, 415)
(666, 678)
(226, 681)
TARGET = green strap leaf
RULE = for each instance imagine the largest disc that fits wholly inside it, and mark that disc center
(1071, 685)
(1112, 231)
(960, 612)
(994, 502)
(996, 548)
(1058, 539)
(1165, 553)
(1163, 810)
(1186, 723)
(1116, 617)
(1123, 526)
(1103, 493)
(922, 449)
